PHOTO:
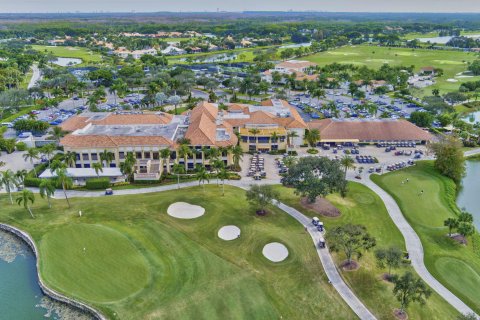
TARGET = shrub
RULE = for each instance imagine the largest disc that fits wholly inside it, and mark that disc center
(312, 151)
(32, 182)
(21, 146)
(97, 183)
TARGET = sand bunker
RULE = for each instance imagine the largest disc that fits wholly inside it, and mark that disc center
(229, 233)
(275, 252)
(183, 210)
(452, 80)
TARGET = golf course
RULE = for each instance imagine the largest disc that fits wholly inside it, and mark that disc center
(456, 266)
(363, 206)
(85, 54)
(452, 62)
(129, 259)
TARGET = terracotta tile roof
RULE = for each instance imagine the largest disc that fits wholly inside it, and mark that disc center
(96, 141)
(74, 123)
(366, 130)
(131, 119)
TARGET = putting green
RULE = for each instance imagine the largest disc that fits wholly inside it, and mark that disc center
(79, 259)
(461, 275)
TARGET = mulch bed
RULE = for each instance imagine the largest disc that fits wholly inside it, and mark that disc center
(349, 266)
(321, 206)
(400, 315)
(459, 238)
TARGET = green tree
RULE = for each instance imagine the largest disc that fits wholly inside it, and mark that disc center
(449, 158)
(347, 162)
(26, 197)
(237, 155)
(312, 136)
(389, 257)
(421, 118)
(223, 175)
(97, 166)
(351, 239)
(70, 158)
(107, 157)
(65, 181)
(410, 289)
(57, 133)
(8, 181)
(178, 169)
(260, 196)
(452, 224)
(184, 151)
(165, 156)
(48, 150)
(315, 176)
(47, 190)
(31, 155)
(202, 175)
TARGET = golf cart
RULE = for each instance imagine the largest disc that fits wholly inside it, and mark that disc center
(108, 192)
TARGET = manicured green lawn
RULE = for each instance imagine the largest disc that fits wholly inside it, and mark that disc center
(455, 265)
(140, 263)
(452, 62)
(362, 206)
(71, 52)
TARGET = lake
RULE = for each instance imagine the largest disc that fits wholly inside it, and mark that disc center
(20, 295)
(472, 117)
(468, 196)
(65, 62)
(445, 39)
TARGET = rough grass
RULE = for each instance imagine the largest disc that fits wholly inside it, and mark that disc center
(445, 259)
(363, 206)
(191, 273)
(452, 62)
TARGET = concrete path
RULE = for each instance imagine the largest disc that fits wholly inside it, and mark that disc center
(325, 258)
(36, 76)
(415, 248)
(472, 152)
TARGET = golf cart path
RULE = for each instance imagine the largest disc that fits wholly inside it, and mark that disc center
(325, 258)
(415, 248)
(36, 76)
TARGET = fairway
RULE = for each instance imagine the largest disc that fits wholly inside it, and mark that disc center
(85, 54)
(447, 260)
(141, 263)
(452, 62)
(363, 206)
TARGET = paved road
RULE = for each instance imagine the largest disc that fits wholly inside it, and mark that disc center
(325, 258)
(36, 75)
(415, 248)
(472, 152)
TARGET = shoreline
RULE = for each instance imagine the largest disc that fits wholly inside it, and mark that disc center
(26, 238)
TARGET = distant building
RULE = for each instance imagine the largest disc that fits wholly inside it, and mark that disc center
(300, 68)
(173, 51)
(136, 54)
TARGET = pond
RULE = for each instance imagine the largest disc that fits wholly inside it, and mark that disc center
(473, 117)
(444, 39)
(468, 195)
(20, 295)
(65, 62)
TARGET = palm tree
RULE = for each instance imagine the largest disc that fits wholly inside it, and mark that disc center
(184, 151)
(312, 137)
(107, 157)
(31, 155)
(165, 156)
(20, 176)
(70, 158)
(347, 162)
(237, 154)
(290, 136)
(223, 174)
(217, 166)
(24, 198)
(178, 169)
(254, 131)
(202, 175)
(127, 166)
(48, 150)
(57, 133)
(47, 190)
(97, 166)
(64, 179)
(8, 181)
(274, 137)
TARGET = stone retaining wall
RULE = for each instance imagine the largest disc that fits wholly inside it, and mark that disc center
(47, 291)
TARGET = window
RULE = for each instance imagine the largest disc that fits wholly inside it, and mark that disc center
(77, 156)
(121, 155)
(138, 155)
(244, 139)
(263, 139)
(85, 156)
(86, 165)
(94, 156)
(146, 155)
(156, 156)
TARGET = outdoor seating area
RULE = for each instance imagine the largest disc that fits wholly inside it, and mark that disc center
(257, 167)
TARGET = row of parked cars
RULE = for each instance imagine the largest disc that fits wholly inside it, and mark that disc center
(366, 159)
(400, 165)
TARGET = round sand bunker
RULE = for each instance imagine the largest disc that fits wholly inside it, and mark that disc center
(183, 210)
(275, 252)
(229, 233)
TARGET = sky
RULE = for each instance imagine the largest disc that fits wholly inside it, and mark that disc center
(25, 6)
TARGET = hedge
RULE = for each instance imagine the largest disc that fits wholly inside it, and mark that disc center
(32, 182)
(97, 183)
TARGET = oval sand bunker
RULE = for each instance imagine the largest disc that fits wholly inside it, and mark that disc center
(229, 233)
(275, 252)
(183, 210)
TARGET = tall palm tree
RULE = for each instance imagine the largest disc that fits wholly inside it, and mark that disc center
(48, 150)
(222, 175)
(165, 156)
(57, 133)
(26, 197)
(8, 181)
(347, 162)
(184, 152)
(97, 166)
(202, 175)
(254, 131)
(64, 179)
(31, 155)
(47, 190)
(237, 154)
(312, 137)
(274, 137)
(290, 136)
(178, 169)
(70, 158)
(217, 166)
(127, 167)
(107, 157)
(20, 176)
